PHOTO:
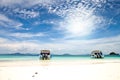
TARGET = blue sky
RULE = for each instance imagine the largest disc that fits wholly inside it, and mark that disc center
(63, 26)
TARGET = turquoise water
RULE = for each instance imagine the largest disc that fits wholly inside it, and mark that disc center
(85, 57)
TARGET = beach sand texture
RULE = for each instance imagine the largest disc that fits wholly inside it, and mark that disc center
(60, 70)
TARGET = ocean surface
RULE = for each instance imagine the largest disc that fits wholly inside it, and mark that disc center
(67, 57)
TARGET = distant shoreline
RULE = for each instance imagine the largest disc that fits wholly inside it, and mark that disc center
(30, 54)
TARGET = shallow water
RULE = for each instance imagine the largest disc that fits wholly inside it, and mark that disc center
(68, 57)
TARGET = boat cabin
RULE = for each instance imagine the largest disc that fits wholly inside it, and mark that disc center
(45, 54)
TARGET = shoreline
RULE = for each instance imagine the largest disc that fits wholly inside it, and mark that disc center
(55, 62)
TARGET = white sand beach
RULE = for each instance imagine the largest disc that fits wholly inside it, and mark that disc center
(60, 70)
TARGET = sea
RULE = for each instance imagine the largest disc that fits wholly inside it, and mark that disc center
(54, 57)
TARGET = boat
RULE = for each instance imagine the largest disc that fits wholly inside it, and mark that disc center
(97, 54)
(45, 54)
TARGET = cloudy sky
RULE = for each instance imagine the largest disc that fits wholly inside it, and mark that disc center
(63, 26)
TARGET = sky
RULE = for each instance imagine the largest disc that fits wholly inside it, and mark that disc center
(62, 26)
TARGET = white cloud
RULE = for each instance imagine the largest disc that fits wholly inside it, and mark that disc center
(25, 3)
(19, 35)
(106, 45)
(23, 47)
(26, 35)
(8, 23)
(3, 40)
(9, 2)
(79, 18)
(79, 25)
(24, 13)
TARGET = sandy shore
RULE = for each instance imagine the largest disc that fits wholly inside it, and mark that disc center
(60, 70)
